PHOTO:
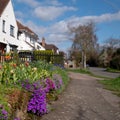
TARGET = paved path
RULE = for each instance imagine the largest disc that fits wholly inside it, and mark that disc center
(103, 72)
(85, 99)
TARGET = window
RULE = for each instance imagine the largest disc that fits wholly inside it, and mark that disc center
(31, 40)
(38, 47)
(11, 30)
(3, 26)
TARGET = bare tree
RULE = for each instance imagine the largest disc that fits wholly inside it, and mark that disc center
(110, 47)
(84, 39)
(112, 43)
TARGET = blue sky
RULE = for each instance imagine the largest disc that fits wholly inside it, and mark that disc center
(50, 18)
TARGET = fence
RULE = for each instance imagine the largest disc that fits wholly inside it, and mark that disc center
(30, 57)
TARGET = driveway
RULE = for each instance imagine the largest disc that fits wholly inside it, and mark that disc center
(85, 99)
(103, 72)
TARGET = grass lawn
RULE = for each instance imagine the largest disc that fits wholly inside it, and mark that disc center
(112, 84)
(113, 70)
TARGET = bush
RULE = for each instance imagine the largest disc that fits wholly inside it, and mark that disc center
(115, 62)
(43, 55)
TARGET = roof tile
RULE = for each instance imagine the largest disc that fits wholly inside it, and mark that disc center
(22, 27)
(3, 4)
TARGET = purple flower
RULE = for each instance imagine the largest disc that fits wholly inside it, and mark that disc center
(58, 81)
(4, 112)
(37, 103)
(49, 85)
(16, 118)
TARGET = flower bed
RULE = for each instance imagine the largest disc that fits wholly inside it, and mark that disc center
(37, 84)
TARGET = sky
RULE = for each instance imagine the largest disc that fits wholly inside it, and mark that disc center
(50, 18)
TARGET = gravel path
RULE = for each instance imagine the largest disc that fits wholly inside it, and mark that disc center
(85, 99)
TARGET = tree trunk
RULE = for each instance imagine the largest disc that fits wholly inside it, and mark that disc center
(84, 59)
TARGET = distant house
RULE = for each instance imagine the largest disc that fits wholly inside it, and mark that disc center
(28, 39)
(8, 27)
(49, 46)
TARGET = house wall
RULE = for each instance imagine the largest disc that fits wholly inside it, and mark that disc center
(38, 46)
(9, 17)
(24, 41)
(26, 37)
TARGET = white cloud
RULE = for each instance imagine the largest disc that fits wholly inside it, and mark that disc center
(57, 33)
(59, 27)
(51, 12)
(39, 30)
(32, 3)
(57, 38)
(75, 21)
(53, 2)
(47, 10)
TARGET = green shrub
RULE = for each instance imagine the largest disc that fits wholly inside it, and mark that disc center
(115, 62)
(43, 55)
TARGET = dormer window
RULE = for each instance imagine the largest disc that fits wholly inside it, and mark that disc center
(3, 26)
(12, 30)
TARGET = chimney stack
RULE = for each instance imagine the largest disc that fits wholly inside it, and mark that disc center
(43, 42)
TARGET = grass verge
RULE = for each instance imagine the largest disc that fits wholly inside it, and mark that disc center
(112, 70)
(112, 84)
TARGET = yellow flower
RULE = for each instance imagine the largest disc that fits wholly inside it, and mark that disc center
(34, 69)
(12, 71)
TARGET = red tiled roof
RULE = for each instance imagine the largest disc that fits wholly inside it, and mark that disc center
(3, 4)
(49, 46)
(28, 30)
(22, 27)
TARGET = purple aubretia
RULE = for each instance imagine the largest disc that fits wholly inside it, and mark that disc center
(49, 85)
(3, 114)
(37, 103)
(39, 89)
(16, 118)
(57, 81)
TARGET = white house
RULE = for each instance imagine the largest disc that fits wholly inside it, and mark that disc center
(14, 35)
(28, 39)
(8, 27)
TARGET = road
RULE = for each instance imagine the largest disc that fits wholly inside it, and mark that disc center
(103, 72)
(85, 99)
